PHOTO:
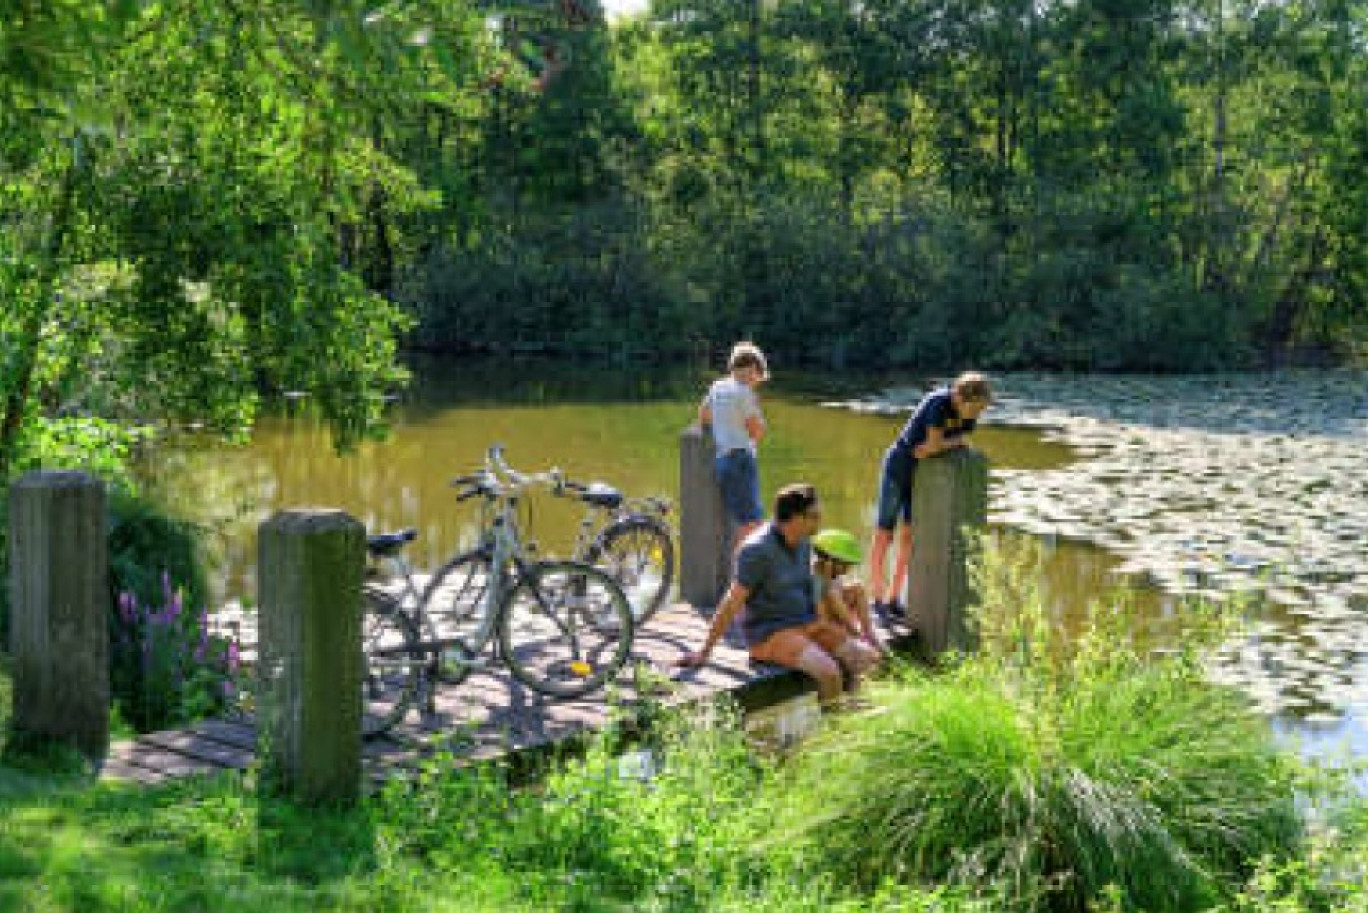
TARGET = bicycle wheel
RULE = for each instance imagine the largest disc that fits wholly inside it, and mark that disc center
(393, 663)
(453, 607)
(565, 628)
(638, 553)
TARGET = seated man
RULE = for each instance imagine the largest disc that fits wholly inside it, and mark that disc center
(774, 583)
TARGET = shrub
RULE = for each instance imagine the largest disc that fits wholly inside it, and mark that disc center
(1051, 776)
(146, 543)
(165, 667)
(587, 837)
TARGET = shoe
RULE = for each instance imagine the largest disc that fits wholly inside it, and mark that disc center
(895, 611)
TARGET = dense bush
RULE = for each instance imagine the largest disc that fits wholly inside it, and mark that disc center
(148, 544)
(910, 281)
(1054, 774)
(165, 668)
(581, 283)
(689, 837)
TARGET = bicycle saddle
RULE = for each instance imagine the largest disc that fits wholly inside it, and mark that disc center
(383, 544)
(601, 494)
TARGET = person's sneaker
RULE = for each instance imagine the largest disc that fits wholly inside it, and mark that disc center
(895, 611)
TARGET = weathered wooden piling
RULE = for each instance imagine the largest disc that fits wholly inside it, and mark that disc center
(309, 710)
(59, 598)
(949, 504)
(705, 533)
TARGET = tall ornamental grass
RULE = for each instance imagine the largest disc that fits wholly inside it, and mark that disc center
(1050, 771)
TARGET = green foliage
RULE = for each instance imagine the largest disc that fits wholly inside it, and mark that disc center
(673, 839)
(452, 839)
(1081, 778)
(93, 445)
(147, 543)
(184, 188)
(582, 284)
(166, 669)
(100, 447)
(1050, 773)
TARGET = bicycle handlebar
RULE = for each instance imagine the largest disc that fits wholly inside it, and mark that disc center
(499, 466)
(498, 479)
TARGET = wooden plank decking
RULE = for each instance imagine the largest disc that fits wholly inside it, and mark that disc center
(490, 714)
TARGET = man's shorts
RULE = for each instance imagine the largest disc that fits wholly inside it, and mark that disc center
(895, 492)
(739, 478)
(782, 648)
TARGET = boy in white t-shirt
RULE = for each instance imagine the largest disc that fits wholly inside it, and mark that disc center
(732, 410)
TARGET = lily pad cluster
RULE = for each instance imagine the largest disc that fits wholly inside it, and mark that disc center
(1214, 485)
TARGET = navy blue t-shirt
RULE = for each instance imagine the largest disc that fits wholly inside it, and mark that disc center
(780, 582)
(936, 410)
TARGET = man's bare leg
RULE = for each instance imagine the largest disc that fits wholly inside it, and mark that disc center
(824, 670)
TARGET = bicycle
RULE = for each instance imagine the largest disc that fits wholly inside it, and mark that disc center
(629, 538)
(563, 628)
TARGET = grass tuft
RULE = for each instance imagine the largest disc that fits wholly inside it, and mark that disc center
(1051, 773)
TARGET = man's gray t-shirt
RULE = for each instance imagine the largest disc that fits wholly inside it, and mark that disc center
(779, 579)
(731, 402)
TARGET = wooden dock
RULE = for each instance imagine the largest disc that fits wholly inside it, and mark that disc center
(491, 715)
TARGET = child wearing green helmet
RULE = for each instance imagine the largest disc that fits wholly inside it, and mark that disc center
(841, 599)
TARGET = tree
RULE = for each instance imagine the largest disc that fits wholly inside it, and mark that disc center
(179, 183)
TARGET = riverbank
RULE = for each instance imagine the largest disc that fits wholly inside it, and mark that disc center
(1214, 485)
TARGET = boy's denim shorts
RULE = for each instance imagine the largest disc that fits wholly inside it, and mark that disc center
(895, 492)
(739, 478)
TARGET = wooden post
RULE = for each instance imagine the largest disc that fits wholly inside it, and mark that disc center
(705, 534)
(949, 500)
(59, 630)
(309, 711)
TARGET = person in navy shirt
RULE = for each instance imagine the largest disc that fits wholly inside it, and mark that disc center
(941, 422)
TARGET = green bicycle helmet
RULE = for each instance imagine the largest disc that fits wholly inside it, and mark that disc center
(838, 544)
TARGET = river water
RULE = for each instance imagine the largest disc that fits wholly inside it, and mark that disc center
(619, 425)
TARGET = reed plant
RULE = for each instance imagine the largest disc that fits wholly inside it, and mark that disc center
(1056, 768)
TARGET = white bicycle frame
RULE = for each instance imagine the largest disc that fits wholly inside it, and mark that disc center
(504, 549)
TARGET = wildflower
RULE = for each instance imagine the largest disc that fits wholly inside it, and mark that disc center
(128, 607)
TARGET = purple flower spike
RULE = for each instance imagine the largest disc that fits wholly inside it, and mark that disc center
(175, 599)
(128, 607)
